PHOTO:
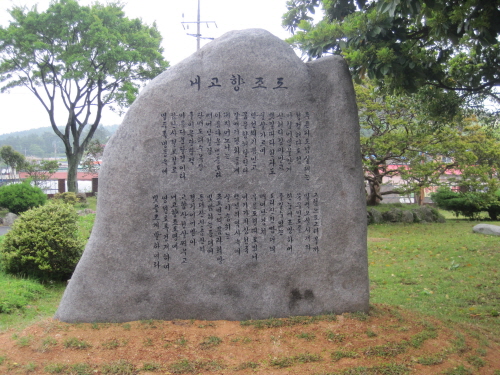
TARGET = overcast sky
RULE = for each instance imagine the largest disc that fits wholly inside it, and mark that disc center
(20, 110)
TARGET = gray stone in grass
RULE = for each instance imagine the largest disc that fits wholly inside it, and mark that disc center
(490, 229)
(9, 219)
(241, 165)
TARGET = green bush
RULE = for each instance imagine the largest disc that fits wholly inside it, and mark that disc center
(21, 197)
(43, 243)
(67, 197)
(468, 204)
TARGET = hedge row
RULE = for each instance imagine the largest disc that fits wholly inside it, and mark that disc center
(422, 214)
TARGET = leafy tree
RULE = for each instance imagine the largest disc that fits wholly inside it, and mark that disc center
(452, 45)
(39, 171)
(399, 130)
(12, 158)
(89, 56)
(92, 157)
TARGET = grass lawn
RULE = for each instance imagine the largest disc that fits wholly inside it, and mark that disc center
(443, 270)
(24, 301)
(440, 269)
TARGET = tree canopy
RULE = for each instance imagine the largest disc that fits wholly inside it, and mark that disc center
(450, 44)
(78, 59)
(400, 136)
(11, 158)
(39, 171)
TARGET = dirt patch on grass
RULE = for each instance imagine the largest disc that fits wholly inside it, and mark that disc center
(387, 341)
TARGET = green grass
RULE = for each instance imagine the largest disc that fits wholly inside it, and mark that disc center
(288, 322)
(210, 342)
(16, 293)
(339, 354)
(75, 343)
(120, 367)
(284, 362)
(387, 369)
(186, 366)
(24, 301)
(439, 269)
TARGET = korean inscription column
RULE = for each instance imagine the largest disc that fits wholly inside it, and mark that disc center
(182, 145)
(271, 142)
(174, 214)
(245, 145)
(201, 222)
(184, 230)
(288, 142)
(191, 210)
(307, 147)
(253, 141)
(210, 223)
(236, 142)
(272, 223)
(200, 137)
(156, 233)
(236, 222)
(246, 222)
(263, 216)
(315, 206)
(289, 221)
(281, 214)
(218, 148)
(307, 220)
(164, 143)
(218, 228)
(297, 134)
(281, 142)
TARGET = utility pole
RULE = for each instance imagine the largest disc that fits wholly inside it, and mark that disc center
(198, 22)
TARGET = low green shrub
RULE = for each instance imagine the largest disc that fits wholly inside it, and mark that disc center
(21, 197)
(67, 197)
(407, 214)
(468, 204)
(43, 243)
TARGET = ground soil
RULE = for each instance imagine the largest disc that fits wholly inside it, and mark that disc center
(387, 341)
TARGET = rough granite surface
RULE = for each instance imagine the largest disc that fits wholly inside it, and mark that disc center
(490, 229)
(232, 190)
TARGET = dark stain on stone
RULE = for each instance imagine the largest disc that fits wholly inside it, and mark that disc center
(308, 295)
(296, 297)
(141, 298)
(231, 291)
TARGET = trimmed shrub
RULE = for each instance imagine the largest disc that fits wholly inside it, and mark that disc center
(67, 197)
(81, 198)
(43, 243)
(21, 197)
(406, 214)
(468, 204)
(374, 216)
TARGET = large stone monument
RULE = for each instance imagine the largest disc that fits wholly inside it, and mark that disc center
(232, 190)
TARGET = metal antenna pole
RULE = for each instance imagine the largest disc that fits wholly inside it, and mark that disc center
(198, 32)
(198, 22)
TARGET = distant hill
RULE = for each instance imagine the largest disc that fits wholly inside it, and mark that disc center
(43, 143)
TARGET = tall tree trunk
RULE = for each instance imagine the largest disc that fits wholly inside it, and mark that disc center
(73, 161)
(373, 197)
